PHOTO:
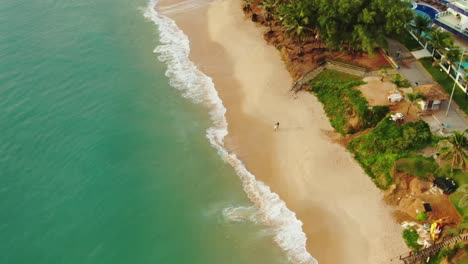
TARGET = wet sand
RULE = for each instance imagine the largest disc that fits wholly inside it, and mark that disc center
(344, 216)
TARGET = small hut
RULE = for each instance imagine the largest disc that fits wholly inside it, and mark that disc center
(434, 96)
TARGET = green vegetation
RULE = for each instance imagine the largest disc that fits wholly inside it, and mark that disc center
(345, 106)
(411, 238)
(399, 81)
(448, 253)
(452, 56)
(437, 259)
(295, 18)
(421, 216)
(416, 165)
(360, 24)
(413, 97)
(336, 76)
(342, 24)
(454, 149)
(460, 197)
(440, 39)
(378, 150)
(406, 39)
(446, 82)
(420, 24)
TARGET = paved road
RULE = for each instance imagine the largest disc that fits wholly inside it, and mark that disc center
(414, 71)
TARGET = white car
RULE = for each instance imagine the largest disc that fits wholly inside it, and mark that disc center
(397, 116)
(395, 97)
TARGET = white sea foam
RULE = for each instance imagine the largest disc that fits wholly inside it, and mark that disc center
(183, 6)
(174, 50)
(241, 214)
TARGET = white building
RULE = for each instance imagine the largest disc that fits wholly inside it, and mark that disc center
(455, 18)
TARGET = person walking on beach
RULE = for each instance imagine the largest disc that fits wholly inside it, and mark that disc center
(276, 126)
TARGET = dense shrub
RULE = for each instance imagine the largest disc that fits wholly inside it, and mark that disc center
(344, 105)
(378, 150)
(421, 216)
(417, 165)
(389, 137)
(400, 82)
(378, 113)
(411, 238)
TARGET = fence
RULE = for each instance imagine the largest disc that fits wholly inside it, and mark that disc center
(424, 254)
(438, 56)
(332, 65)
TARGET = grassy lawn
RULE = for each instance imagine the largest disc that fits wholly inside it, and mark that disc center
(447, 83)
(336, 76)
(418, 166)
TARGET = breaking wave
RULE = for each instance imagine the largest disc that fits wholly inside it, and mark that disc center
(183, 75)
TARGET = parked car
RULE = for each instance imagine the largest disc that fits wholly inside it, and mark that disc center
(395, 97)
(446, 184)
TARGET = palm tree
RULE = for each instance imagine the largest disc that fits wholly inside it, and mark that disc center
(413, 97)
(420, 24)
(440, 39)
(452, 56)
(454, 148)
(294, 19)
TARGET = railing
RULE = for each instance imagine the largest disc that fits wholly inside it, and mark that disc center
(461, 29)
(307, 77)
(458, 9)
(443, 13)
(417, 39)
(328, 64)
(346, 65)
(422, 255)
(438, 56)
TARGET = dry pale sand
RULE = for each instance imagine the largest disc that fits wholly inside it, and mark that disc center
(343, 213)
(376, 91)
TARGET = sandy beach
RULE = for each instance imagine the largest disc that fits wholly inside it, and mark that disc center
(343, 214)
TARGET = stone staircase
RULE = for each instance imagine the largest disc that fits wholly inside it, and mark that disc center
(346, 68)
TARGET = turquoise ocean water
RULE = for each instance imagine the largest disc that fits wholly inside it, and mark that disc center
(101, 160)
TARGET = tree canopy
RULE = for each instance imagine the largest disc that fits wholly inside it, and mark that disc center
(454, 148)
(440, 39)
(344, 24)
(420, 24)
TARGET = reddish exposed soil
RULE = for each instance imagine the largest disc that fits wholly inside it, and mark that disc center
(408, 195)
(302, 56)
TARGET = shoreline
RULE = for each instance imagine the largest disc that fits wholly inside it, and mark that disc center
(344, 216)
